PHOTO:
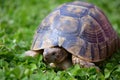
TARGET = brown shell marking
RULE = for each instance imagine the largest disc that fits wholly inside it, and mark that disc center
(41, 38)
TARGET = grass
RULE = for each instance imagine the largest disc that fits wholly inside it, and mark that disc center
(19, 20)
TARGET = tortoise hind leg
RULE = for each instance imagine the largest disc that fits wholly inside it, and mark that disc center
(83, 63)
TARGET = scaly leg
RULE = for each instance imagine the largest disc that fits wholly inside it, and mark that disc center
(83, 63)
(62, 65)
(31, 53)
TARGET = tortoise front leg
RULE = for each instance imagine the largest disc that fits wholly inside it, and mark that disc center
(83, 63)
(31, 53)
(62, 65)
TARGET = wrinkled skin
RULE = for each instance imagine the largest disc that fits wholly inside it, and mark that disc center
(56, 57)
(60, 58)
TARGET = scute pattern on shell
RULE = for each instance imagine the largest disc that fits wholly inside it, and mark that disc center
(81, 28)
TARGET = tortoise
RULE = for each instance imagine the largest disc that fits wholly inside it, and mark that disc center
(75, 33)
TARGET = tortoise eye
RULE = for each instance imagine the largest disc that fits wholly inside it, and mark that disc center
(53, 53)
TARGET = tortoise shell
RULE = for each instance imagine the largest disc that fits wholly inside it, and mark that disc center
(80, 28)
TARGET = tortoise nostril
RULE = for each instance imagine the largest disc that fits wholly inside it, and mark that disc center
(46, 58)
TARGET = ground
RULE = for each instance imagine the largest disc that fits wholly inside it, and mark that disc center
(19, 20)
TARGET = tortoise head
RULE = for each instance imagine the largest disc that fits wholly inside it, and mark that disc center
(54, 54)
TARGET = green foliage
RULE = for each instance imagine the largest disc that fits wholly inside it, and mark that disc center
(18, 21)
